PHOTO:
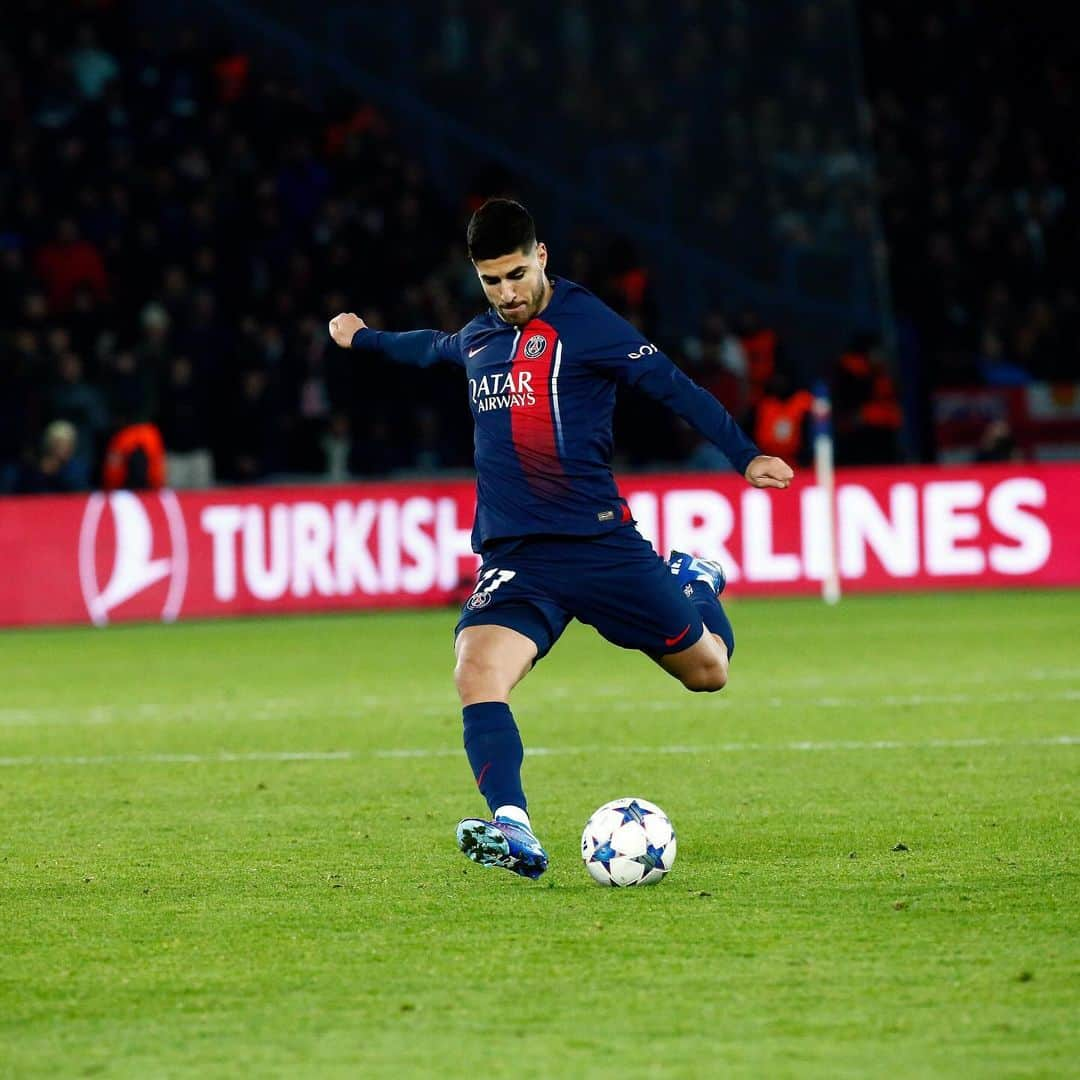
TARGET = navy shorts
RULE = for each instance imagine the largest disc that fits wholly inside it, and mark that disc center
(615, 582)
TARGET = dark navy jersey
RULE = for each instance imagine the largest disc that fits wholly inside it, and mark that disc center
(542, 398)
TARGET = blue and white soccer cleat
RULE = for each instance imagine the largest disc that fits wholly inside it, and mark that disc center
(502, 842)
(688, 569)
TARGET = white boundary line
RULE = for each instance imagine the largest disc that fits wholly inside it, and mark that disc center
(353, 708)
(227, 757)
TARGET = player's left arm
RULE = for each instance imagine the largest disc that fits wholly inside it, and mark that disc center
(644, 366)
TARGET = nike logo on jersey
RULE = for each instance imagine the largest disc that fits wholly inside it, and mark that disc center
(669, 641)
(473, 352)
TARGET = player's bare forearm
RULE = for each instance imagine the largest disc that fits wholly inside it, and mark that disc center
(344, 326)
(769, 472)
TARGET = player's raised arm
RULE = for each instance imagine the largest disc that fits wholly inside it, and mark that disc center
(419, 347)
(644, 366)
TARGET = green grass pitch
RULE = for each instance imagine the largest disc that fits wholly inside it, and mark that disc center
(228, 849)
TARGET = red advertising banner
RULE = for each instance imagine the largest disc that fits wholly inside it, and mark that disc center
(105, 558)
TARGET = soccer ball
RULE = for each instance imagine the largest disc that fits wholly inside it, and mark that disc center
(628, 842)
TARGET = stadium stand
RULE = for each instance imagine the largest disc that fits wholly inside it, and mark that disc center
(979, 205)
(180, 220)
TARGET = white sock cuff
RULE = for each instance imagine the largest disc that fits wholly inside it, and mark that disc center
(515, 813)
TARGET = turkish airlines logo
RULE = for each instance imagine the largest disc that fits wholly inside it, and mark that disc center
(146, 546)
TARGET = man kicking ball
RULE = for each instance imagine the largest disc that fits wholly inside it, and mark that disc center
(556, 540)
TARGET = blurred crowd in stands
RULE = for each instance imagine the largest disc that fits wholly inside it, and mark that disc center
(179, 225)
(178, 228)
(731, 122)
(975, 110)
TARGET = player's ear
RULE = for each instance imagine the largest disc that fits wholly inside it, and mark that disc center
(541, 255)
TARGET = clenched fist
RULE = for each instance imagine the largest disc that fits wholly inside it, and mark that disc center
(769, 472)
(343, 326)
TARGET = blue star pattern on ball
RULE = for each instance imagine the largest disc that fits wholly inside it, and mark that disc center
(634, 812)
(603, 854)
(653, 857)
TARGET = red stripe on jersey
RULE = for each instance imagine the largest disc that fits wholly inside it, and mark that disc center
(532, 420)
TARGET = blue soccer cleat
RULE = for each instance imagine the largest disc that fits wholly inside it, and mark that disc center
(502, 842)
(688, 569)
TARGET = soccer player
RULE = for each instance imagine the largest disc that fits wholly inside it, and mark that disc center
(556, 540)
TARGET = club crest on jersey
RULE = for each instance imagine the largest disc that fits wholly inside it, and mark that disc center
(535, 346)
(478, 600)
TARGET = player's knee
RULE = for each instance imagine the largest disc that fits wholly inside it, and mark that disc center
(707, 677)
(477, 678)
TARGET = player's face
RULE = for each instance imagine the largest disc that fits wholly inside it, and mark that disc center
(515, 284)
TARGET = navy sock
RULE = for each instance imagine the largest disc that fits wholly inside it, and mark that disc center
(493, 745)
(712, 613)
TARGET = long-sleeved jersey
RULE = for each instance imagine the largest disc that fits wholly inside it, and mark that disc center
(542, 397)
